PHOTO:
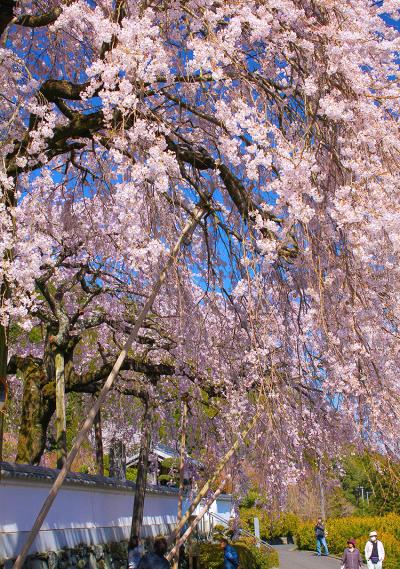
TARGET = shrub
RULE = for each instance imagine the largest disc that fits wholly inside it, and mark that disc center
(212, 557)
(165, 479)
(341, 529)
(271, 526)
(131, 473)
(220, 531)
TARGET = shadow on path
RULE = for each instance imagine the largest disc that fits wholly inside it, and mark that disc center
(290, 558)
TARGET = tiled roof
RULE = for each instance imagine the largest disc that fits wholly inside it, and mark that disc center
(163, 451)
(42, 474)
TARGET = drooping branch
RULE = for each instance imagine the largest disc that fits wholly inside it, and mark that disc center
(209, 483)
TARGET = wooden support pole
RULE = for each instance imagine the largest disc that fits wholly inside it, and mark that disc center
(197, 214)
(194, 523)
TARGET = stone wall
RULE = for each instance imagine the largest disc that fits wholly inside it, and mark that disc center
(107, 556)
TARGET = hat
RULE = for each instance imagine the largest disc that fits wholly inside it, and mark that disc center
(373, 534)
(352, 542)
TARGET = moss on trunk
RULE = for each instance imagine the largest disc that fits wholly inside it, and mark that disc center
(37, 411)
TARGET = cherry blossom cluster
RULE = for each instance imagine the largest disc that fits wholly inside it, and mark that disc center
(280, 120)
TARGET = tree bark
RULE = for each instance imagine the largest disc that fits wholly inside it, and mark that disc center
(61, 423)
(181, 476)
(117, 459)
(3, 378)
(321, 489)
(98, 438)
(6, 14)
(141, 479)
(37, 411)
(1, 437)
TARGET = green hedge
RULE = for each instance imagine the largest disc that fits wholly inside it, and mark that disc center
(271, 526)
(358, 528)
(212, 556)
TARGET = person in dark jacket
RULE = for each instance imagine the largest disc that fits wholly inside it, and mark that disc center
(156, 560)
(135, 553)
(231, 557)
(351, 557)
(320, 536)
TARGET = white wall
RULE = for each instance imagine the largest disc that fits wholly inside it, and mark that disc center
(82, 513)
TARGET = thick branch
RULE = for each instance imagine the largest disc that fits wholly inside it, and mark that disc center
(38, 20)
(54, 89)
(6, 14)
(85, 382)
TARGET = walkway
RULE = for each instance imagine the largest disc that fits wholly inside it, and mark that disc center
(293, 559)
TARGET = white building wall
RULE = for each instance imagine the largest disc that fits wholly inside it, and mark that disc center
(83, 513)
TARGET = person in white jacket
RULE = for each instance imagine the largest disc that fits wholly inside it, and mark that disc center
(374, 551)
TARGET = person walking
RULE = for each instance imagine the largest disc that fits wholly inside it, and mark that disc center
(156, 560)
(231, 556)
(374, 552)
(135, 553)
(320, 536)
(351, 557)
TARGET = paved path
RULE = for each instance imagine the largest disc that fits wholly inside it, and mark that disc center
(293, 559)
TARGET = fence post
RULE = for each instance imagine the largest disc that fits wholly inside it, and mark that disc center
(257, 531)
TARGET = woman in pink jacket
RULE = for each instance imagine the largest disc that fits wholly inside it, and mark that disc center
(351, 557)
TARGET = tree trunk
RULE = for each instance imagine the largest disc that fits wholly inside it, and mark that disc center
(6, 14)
(9, 201)
(37, 411)
(181, 476)
(3, 378)
(98, 438)
(61, 423)
(4, 295)
(141, 479)
(117, 459)
(321, 489)
(1, 437)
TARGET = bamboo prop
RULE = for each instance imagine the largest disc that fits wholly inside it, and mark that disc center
(196, 216)
(181, 473)
(207, 486)
(174, 551)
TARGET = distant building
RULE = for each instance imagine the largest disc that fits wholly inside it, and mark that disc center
(164, 466)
